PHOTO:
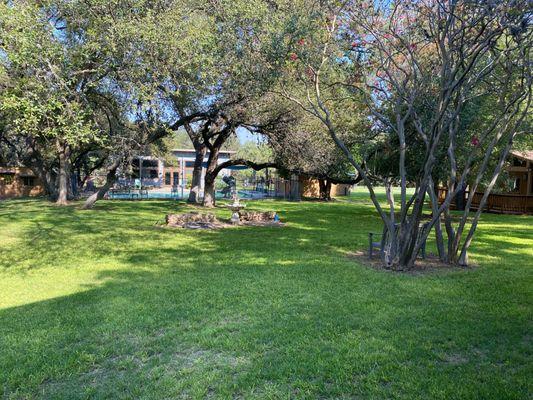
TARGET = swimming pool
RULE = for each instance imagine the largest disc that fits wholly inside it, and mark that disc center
(155, 194)
(149, 195)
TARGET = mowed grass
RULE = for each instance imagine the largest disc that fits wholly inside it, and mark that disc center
(104, 304)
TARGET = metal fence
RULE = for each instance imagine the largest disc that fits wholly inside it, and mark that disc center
(247, 188)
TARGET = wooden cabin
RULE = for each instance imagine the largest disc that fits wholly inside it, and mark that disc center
(311, 188)
(519, 199)
(520, 171)
(19, 182)
(303, 186)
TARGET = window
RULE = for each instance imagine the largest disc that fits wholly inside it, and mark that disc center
(7, 179)
(28, 180)
(167, 178)
(146, 173)
(189, 164)
(146, 163)
(517, 162)
(150, 163)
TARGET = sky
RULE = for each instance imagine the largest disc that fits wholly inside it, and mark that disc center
(245, 135)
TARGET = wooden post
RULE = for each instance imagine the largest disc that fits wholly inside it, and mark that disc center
(529, 183)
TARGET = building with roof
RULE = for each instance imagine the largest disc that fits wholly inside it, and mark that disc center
(520, 171)
(153, 171)
(517, 200)
(19, 182)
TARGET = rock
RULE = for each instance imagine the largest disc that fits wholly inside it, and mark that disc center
(195, 220)
(190, 218)
(257, 216)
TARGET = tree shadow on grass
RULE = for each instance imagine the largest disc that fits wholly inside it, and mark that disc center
(53, 234)
(260, 312)
(253, 330)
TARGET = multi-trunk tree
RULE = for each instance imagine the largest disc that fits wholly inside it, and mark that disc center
(416, 65)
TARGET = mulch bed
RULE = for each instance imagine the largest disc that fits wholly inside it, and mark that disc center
(422, 266)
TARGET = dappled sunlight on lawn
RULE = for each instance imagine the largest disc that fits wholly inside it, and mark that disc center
(105, 302)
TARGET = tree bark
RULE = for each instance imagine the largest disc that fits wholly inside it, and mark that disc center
(209, 191)
(325, 189)
(433, 190)
(62, 197)
(46, 177)
(212, 163)
(111, 178)
(200, 149)
(463, 256)
(210, 177)
(194, 194)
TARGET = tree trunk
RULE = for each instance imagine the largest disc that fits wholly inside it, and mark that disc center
(111, 178)
(212, 163)
(210, 177)
(194, 194)
(47, 178)
(389, 244)
(450, 233)
(463, 256)
(433, 190)
(209, 190)
(405, 242)
(409, 244)
(63, 184)
(325, 189)
(399, 246)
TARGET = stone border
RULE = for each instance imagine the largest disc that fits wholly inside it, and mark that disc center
(196, 220)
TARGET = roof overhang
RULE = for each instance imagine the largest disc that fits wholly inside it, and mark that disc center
(524, 155)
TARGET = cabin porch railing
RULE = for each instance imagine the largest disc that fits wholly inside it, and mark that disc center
(509, 203)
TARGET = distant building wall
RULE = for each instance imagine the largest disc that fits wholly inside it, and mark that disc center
(310, 187)
(521, 171)
(182, 172)
(19, 182)
(297, 187)
(155, 172)
(287, 188)
(519, 200)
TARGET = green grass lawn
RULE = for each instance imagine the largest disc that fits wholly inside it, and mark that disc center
(103, 304)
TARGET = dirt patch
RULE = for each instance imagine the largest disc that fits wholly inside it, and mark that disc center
(423, 265)
(455, 359)
(206, 359)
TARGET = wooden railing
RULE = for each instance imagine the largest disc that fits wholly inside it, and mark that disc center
(499, 203)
